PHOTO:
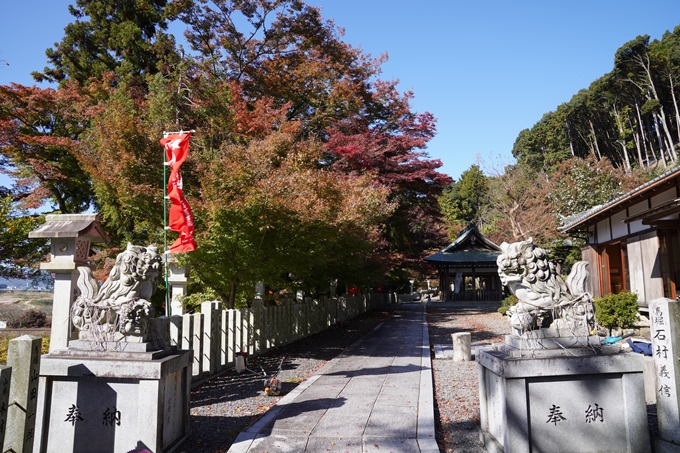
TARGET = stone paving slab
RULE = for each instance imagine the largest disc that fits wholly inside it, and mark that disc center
(279, 443)
(341, 426)
(322, 391)
(392, 422)
(363, 386)
(398, 399)
(343, 405)
(375, 396)
(382, 444)
(339, 444)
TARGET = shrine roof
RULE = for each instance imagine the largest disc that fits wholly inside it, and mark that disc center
(470, 247)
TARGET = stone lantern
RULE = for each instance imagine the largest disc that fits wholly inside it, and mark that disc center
(178, 279)
(71, 235)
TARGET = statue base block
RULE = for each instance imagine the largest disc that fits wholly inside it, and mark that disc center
(113, 404)
(532, 346)
(584, 401)
(139, 351)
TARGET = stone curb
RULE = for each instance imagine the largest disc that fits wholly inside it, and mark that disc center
(425, 428)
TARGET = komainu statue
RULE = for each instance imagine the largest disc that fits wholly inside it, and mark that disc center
(121, 307)
(545, 300)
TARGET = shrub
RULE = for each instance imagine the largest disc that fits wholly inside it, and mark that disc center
(617, 310)
(507, 303)
(192, 302)
(34, 318)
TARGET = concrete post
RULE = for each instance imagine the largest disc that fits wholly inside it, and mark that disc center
(197, 344)
(24, 358)
(664, 317)
(258, 326)
(462, 348)
(224, 342)
(5, 379)
(231, 336)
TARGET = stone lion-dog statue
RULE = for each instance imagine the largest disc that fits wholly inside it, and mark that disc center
(544, 298)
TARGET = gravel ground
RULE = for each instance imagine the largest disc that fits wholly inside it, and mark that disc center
(455, 383)
(222, 407)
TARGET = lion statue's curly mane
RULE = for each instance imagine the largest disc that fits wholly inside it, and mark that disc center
(122, 304)
(544, 299)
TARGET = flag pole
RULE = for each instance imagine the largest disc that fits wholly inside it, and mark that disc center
(166, 197)
(165, 228)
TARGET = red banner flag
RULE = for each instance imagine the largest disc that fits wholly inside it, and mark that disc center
(180, 218)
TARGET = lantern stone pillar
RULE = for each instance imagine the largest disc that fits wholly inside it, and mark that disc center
(259, 290)
(71, 236)
(178, 279)
(334, 287)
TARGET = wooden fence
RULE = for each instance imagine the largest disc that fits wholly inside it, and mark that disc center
(216, 335)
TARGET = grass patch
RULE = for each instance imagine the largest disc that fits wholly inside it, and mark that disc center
(42, 303)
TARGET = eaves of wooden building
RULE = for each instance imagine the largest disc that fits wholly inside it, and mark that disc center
(632, 241)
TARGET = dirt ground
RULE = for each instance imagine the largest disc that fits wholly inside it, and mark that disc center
(14, 302)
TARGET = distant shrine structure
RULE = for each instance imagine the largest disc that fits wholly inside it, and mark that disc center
(467, 269)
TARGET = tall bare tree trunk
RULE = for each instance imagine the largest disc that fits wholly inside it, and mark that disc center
(642, 132)
(636, 137)
(571, 144)
(675, 104)
(661, 113)
(597, 147)
(621, 140)
(660, 140)
(671, 149)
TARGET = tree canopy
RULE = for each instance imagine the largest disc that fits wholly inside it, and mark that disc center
(305, 165)
(630, 115)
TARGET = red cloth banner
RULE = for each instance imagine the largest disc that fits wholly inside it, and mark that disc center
(180, 218)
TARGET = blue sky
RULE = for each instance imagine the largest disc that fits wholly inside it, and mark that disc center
(486, 69)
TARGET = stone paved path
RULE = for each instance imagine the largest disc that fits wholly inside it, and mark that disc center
(374, 397)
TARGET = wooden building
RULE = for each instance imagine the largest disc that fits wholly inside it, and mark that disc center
(467, 268)
(632, 241)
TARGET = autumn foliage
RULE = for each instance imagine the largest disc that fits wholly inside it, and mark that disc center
(304, 166)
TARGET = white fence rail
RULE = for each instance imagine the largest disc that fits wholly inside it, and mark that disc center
(216, 335)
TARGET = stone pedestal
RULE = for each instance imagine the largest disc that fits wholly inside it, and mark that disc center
(113, 402)
(590, 402)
